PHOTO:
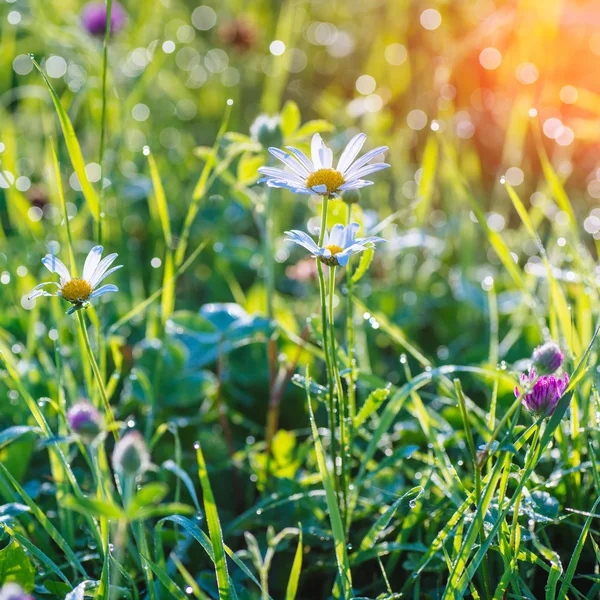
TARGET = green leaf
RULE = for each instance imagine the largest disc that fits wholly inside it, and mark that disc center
(160, 200)
(312, 127)
(374, 401)
(290, 118)
(247, 170)
(214, 528)
(292, 586)
(73, 148)
(427, 181)
(98, 508)
(152, 493)
(339, 536)
(383, 521)
(15, 566)
(364, 263)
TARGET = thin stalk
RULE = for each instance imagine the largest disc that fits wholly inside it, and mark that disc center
(464, 411)
(330, 380)
(351, 379)
(273, 410)
(340, 392)
(103, 115)
(507, 415)
(97, 375)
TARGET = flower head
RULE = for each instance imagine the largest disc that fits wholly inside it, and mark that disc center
(547, 358)
(13, 591)
(130, 456)
(93, 18)
(546, 392)
(79, 291)
(317, 176)
(338, 246)
(266, 130)
(85, 420)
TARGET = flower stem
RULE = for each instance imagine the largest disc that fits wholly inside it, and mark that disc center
(351, 378)
(97, 375)
(330, 380)
(340, 391)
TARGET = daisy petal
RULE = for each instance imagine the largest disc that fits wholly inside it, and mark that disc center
(350, 152)
(349, 234)
(302, 239)
(39, 291)
(290, 161)
(105, 289)
(282, 175)
(369, 240)
(101, 269)
(337, 235)
(355, 184)
(55, 265)
(280, 184)
(319, 189)
(105, 275)
(302, 158)
(367, 170)
(91, 262)
(363, 160)
(316, 146)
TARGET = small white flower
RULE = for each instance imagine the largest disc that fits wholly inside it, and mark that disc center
(78, 291)
(338, 246)
(317, 176)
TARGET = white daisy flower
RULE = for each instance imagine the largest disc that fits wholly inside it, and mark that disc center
(338, 246)
(78, 291)
(317, 176)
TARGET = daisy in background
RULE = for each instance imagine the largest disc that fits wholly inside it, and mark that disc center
(317, 176)
(79, 291)
(338, 246)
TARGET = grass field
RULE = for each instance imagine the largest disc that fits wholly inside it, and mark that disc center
(299, 299)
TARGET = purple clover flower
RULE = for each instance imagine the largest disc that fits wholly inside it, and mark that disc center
(84, 420)
(93, 18)
(546, 392)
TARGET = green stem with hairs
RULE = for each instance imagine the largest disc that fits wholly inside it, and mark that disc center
(330, 380)
(340, 392)
(97, 375)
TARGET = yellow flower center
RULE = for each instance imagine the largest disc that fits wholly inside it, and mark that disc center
(334, 249)
(330, 178)
(76, 290)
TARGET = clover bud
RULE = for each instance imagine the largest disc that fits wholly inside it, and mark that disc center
(130, 456)
(93, 18)
(351, 196)
(267, 131)
(13, 591)
(85, 421)
(547, 358)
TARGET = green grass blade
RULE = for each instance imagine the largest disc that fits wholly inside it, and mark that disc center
(73, 148)
(214, 528)
(294, 578)
(335, 518)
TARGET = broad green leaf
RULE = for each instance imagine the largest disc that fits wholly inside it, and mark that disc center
(15, 566)
(290, 118)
